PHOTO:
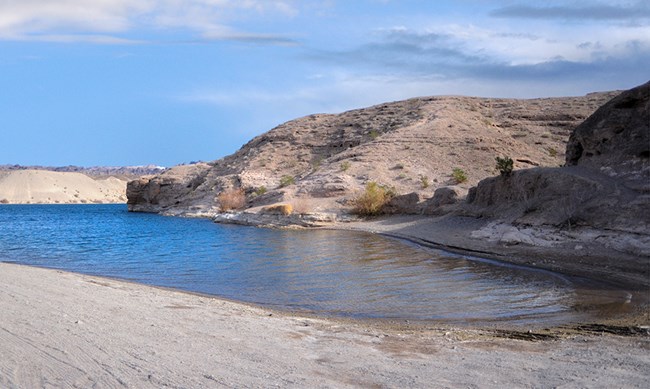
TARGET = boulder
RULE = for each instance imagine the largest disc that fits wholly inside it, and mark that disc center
(403, 204)
(442, 199)
(616, 139)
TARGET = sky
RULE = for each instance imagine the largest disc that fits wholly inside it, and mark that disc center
(165, 82)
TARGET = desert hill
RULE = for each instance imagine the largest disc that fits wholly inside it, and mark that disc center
(125, 172)
(604, 185)
(413, 146)
(48, 187)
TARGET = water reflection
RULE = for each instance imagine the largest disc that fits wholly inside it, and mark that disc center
(332, 272)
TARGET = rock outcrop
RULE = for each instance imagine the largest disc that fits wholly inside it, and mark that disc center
(604, 185)
(412, 146)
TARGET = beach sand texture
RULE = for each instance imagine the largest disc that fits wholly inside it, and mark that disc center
(61, 329)
(47, 187)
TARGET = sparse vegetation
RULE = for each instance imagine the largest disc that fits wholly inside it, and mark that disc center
(459, 175)
(552, 152)
(424, 180)
(504, 165)
(231, 199)
(260, 191)
(371, 202)
(345, 165)
(373, 134)
(316, 163)
(286, 181)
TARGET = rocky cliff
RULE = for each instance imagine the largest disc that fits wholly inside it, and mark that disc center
(321, 161)
(604, 185)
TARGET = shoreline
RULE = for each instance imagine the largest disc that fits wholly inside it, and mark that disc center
(64, 329)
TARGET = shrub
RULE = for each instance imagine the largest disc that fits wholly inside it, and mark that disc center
(399, 166)
(552, 152)
(345, 166)
(504, 165)
(4, 201)
(424, 180)
(301, 205)
(373, 134)
(373, 199)
(459, 175)
(286, 181)
(232, 199)
(260, 191)
(278, 209)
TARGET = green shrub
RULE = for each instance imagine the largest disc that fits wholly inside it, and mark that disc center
(345, 166)
(373, 134)
(260, 191)
(372, 200)
(459, 175)
(504, 165)
(424, 180)
(286, 181)
(552, 152)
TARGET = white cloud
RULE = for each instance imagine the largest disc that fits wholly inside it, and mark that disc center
(90, 19)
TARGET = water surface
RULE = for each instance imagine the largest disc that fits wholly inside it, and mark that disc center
(339, 273)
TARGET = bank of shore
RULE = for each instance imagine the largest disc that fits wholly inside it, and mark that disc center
(60, 329)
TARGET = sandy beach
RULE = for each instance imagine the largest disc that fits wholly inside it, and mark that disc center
(60, 329)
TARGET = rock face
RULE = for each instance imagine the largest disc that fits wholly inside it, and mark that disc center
(605, 185)
(616, 139)
(412, 146)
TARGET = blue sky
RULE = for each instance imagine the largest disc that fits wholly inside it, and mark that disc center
(134, 82)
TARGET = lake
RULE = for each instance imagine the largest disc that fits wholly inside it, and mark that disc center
(331, 273)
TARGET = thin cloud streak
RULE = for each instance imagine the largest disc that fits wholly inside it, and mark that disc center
(106, 21)
(640, 10)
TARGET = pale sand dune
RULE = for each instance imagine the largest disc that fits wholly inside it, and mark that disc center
(65, 330)
(47, 187)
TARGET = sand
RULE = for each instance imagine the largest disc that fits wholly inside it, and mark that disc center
(47, 187)
(60, 329)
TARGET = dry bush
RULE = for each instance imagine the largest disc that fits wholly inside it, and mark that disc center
(301, 205)
(232, 199)
(371, 202)
(278, 209)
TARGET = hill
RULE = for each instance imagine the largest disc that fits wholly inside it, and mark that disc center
(321, 162)
(48, 187)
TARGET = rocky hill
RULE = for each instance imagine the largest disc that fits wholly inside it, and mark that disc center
(320, 162)
(605, 184)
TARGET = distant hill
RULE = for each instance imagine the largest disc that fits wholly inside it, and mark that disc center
(49, 187)
(413, 146)
(95, 171)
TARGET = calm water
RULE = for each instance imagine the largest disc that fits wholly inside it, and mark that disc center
(330, 272)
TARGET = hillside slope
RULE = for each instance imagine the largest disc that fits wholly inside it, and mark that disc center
(412, 145)
(605, 185)
(47, 187)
